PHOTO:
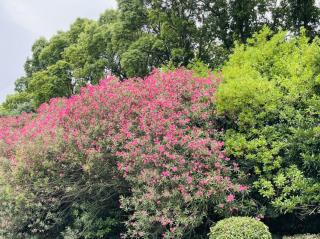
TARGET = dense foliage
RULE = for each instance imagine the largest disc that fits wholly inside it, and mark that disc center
(269, 104)
(240, 228)
(143, 34)
(147, 146)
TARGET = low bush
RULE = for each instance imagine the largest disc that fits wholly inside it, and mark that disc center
(240, 228)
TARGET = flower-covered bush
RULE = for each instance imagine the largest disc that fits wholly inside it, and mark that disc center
(45, 187)
(171, 156)
(148, 146)
(239, 228)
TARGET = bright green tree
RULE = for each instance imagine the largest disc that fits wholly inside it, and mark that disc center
(269, 101)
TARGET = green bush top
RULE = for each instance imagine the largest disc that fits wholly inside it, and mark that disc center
(240, 228)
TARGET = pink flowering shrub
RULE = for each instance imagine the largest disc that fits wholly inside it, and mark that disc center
(10, 130)
(151, 142)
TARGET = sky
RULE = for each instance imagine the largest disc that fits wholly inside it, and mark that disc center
(24, 21)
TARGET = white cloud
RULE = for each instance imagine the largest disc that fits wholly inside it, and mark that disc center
(45, 17)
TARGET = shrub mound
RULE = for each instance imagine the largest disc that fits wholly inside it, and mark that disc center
(240, 228)
(148, 146)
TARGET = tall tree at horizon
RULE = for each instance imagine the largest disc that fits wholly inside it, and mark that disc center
(143, 34)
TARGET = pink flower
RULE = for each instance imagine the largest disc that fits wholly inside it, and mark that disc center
(174, 169)
(189, 179)
(161, 148)
(242, 188)
(230, 198)
(165, 174)
(119, 165)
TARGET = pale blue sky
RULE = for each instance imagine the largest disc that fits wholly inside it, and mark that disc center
(23, 21)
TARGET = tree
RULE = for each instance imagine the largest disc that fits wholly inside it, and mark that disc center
(247, 17)
(18, 102)
(34, 63)
(295, 14)
(54, 82)
(174, 24)
(92, 56)
(268, 102)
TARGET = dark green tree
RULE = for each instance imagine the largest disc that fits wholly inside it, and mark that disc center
(247, 17)
(294, 14)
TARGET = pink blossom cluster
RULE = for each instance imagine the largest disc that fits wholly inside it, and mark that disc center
(11, 132)
(162, 133)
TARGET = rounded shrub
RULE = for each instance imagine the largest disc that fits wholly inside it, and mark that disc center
(240, 228)
(149, 146)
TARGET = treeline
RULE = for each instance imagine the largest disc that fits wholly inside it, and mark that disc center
(143, 34)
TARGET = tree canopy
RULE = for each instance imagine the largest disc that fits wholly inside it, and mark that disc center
(143, 34)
